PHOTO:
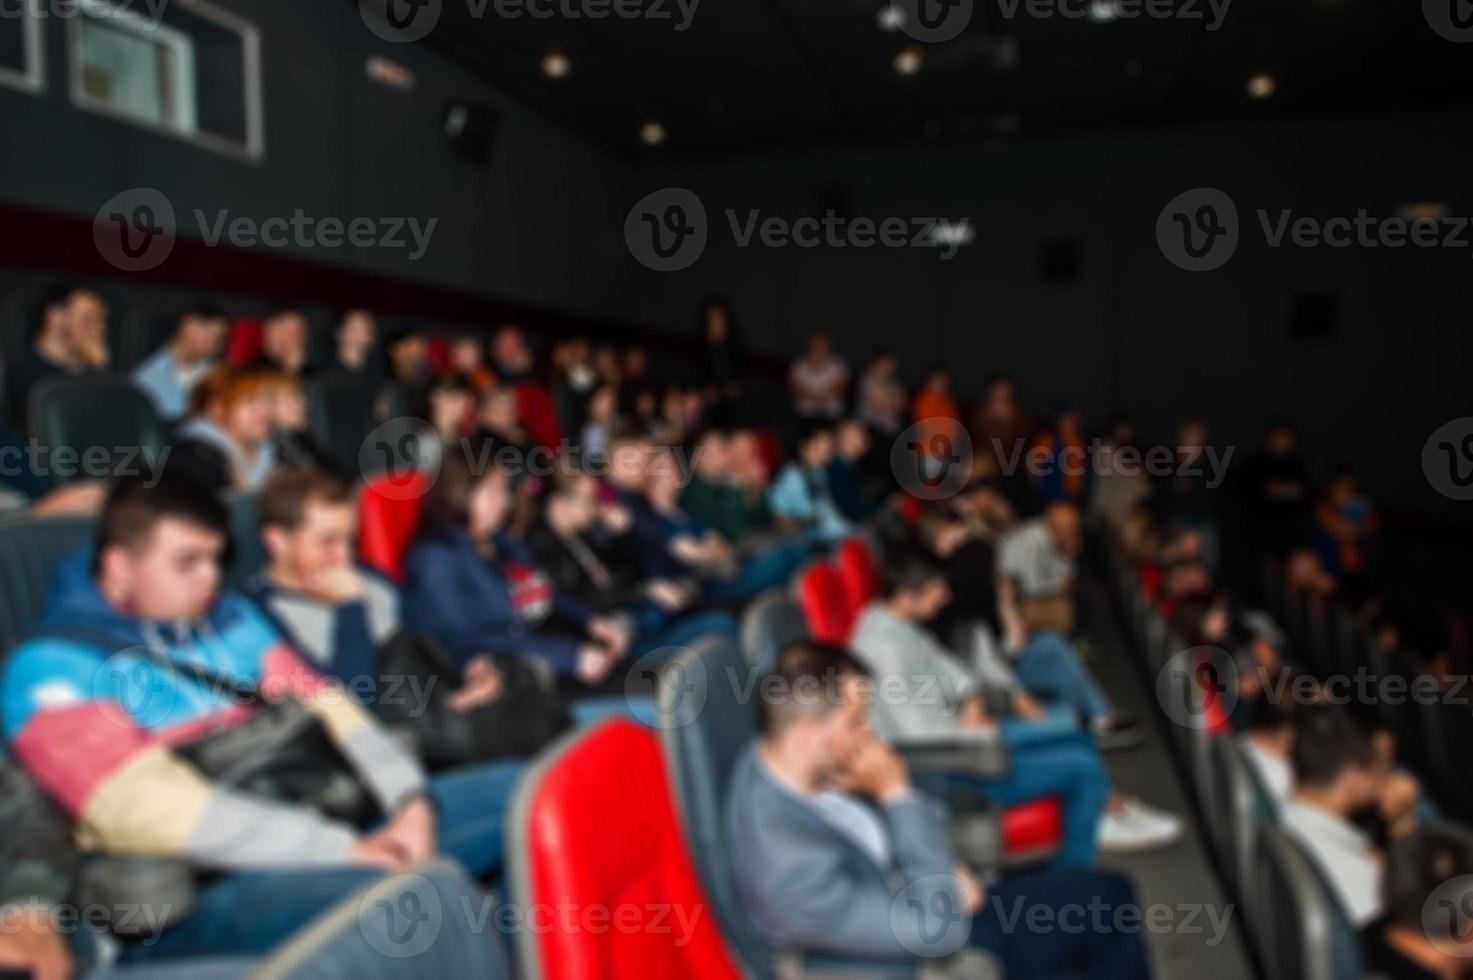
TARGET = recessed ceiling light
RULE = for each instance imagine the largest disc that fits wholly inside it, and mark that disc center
(891, 17)
(1262, 85)
(652, 133)
(908, 61)
(556, 65)
(1103, 10)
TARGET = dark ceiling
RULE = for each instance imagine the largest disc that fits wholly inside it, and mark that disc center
(759, 74)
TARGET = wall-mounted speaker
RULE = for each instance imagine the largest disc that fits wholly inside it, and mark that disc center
(471, 129)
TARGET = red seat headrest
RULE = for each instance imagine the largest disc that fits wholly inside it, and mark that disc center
(825, 605)
(859, 573)
(602, 839)
(388, 516)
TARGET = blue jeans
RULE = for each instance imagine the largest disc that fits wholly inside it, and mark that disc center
(1050, 758)
(591, 711)
(1093, 926)
(775, 566)
(1049, 669)
(248, 913)
(654, 628)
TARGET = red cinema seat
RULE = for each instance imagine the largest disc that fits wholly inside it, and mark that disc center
(438, 354)
(538, 413)
(388, 515)
(769, 450)
(1032, 831)
(593, 829)
(858, 573)
(826, 607)
(244, 345)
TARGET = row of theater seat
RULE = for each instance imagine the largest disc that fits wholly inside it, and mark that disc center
(611, 819)
(1291, 918)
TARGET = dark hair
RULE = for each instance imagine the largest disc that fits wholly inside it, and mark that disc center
(135, 506)
(200, 311)
(906, 568)
(57, 294)
(289, 489)
(1416, 866)
(804, 683)
(280, 310)
(1327, 742)
(1275, 709)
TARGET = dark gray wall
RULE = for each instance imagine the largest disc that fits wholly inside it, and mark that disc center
(1133, 332)
(540, 224)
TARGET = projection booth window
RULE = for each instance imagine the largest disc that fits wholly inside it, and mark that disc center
(20, 45)
(189, 69)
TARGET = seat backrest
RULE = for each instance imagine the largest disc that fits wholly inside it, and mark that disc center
(340, 417)
(96, 413)
(859, 573)
(1311, 937)
(244, 344)
(593, 827)
(145, 330)
(247, 550)
(771, 622)
(388, 516)
(826, 608)
(538, 414)
(29, 550)
(1248, 811)
(704, 737)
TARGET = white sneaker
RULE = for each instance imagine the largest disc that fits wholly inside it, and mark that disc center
(1133, 826)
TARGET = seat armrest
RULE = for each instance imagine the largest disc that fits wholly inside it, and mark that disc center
(982, 754)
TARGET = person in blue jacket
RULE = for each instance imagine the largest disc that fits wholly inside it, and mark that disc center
(478, 590)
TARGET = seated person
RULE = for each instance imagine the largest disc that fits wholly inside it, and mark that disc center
(1268, 744)
(1035, 604)
(801, 491)
(838, 853)
(354, 337)
(115, 704)
(728, 487)
(169, 375)
(478, 590)
(700, 552)
(927, 689)
(71, 339)
(848, 482)
(1337, 779)
(568, 539)
(226, 443)
(284, 341)
(45, 934)
(346, 621)
(291, 441)
(1425, 933)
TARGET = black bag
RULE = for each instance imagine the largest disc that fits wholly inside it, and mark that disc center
(283, 753)
(416, 679)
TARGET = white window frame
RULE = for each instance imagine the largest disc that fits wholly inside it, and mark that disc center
(254, 147)
(33, 78)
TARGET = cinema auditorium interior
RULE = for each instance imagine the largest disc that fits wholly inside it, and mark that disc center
(705, 489)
